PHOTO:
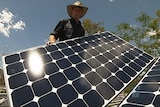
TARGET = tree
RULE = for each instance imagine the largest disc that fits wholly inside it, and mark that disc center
(91, 27)
(1, 78)
(145, 36)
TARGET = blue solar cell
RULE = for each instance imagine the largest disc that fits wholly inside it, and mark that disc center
(72, 73)
(113, 68)
(148, 87)
(156, 101)
(105, 90)
(154, 72)
(67, 94)
(130, 56)
(83, 68)
(124, 59)
(51, 68)
(85, 46)
(140, 62)
(145, 59)
(61, 45)
(50, 99)
(12, 58)
(93, 52)
(17, 80)
(37, 87)
(57, 55)
(123, 76)
(118, 62)
(63, 63)
(103, 72)
(141, 98)
(33, 77)
(46, 58)
(79, 40)
(115, 83)
(135, 66)
(77, 48)
(129, 71)
(71, 43)
(22, 96)
(115, 52)
(60, 82)
(93, 44)
(109, 55)
(93, 78)
(92, 98)
(101, 59)
(152, 79)
(51, 48)
(67, 51)
(14, 68)
(100, 49)
(93, 63)
(81, 85)
(84, 55)
(75, 59)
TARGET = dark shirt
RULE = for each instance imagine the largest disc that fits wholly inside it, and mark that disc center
(67, 29)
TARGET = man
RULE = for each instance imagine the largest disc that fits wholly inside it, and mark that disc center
(69, 28)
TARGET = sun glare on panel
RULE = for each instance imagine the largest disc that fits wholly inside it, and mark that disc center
(35, 63)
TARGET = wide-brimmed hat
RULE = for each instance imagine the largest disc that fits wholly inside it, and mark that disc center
(76, 4)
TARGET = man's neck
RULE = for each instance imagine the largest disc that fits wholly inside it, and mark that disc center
(76, 20)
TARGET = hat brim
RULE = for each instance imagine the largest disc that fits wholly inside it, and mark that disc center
(70, 7)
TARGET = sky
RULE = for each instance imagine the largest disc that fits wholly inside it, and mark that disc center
(27, 23)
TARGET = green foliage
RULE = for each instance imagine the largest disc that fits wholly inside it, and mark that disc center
(158, 13)
(154, 24)
(91, 27)
(146, 36)
(144, 19)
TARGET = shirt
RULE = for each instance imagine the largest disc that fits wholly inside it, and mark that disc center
(67, 29)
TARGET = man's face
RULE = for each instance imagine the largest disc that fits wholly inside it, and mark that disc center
(77, 12)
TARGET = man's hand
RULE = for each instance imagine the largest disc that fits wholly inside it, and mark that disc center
(51, 40)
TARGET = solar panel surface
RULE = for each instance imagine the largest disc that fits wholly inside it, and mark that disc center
(146, 93)
(87, 71)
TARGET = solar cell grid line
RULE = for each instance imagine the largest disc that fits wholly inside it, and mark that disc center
(146, 92)
(87, 71)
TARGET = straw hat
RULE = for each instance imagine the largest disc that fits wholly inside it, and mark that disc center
(76, 4)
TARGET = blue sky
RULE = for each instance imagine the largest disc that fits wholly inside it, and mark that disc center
(27, 23)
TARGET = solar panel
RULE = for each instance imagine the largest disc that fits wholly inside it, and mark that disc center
(86, 71)
(146, 93)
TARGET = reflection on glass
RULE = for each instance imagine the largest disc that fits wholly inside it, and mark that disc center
(35, 64)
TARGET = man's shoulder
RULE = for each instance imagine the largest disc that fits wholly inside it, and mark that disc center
(64, 21)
